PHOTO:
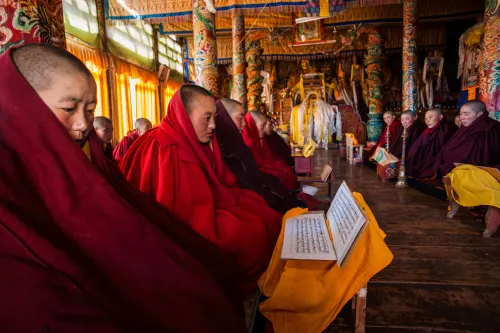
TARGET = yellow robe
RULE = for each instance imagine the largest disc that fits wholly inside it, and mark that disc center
(473, 187)
(306, 296)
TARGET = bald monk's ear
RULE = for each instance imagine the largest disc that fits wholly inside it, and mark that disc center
(440, 117)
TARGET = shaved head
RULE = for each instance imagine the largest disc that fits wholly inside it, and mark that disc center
(231, 105)
(190, 92)
(389, 117)
(391, 113)
(200, 107)
(100, 122)
(104, 128)
(63, 83)
(260, 121)
(407, 118)
(40, 64)
(470, 111)
(142, 125)
(433, 117)
(236, 111)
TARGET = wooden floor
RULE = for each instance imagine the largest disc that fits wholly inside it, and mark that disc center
(444, 277)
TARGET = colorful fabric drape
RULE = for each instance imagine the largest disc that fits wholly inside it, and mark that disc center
(96, 62)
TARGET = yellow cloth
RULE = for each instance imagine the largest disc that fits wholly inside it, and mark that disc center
(306, 296)
(297, 136)
(86, 150)
(473, 187)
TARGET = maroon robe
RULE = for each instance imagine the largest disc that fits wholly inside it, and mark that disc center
(76, 255)
(395, 131)
(123, 146)
(422, 155)
(413, 132)
(281, 151)
(476, 144)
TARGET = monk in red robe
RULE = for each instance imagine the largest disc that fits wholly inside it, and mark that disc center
(253, 135)
(279, 148)
(423, 153)
(104, 129)
(142, 125)
(392, 131)
(413, 130)
(75, 254)
(239, 159)
(180, 165)
(476, 142)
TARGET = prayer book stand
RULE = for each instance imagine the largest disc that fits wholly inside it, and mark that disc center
(388, 172)
(326, 177)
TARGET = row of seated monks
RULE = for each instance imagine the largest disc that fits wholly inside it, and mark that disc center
(170, 237)
(433, 150)
(453, 153)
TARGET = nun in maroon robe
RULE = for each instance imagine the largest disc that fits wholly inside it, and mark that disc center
(395, 131)
(413, 133)
(476, 144)
(76, 255)
(423, 153)
(239, 159)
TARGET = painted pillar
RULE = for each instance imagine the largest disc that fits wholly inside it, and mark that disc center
(205, 47)
(374, 62)
(489, 77)
(410, 95)
(23, 22)
(253, 51)
(239, 62)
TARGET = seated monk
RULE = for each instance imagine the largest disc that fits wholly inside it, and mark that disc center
(179, 164)
(239, 159)
(413, 130)
(393, 131)
(141, 126)
(104, 129)
(422, 155)
(476, 142)
(76, 254)
(253, 135)
(470, 186)
(279, 148)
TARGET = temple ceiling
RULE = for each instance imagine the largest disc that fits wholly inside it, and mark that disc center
(174, 16)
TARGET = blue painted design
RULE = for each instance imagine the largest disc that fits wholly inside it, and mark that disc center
(374, 127)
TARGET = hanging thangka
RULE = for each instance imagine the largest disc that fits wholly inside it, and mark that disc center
(470, 58)
(309, 32)
(324, 8)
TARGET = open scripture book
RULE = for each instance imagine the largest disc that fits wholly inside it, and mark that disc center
(307, 236)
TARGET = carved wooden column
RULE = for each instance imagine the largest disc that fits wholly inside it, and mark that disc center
(489, 77)
(205, 47)
(239, 63)
(410, 96)
(253, 51)
(374, 63)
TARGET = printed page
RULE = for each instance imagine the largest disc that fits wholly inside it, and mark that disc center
(307, 238)
(346, 220)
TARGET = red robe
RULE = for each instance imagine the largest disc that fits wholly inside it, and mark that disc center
(395, 132)
(413, 133)
(169, 164)
(123, 146)
(264, 157)
(422, 155)
(476, 144)
(76, 255)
